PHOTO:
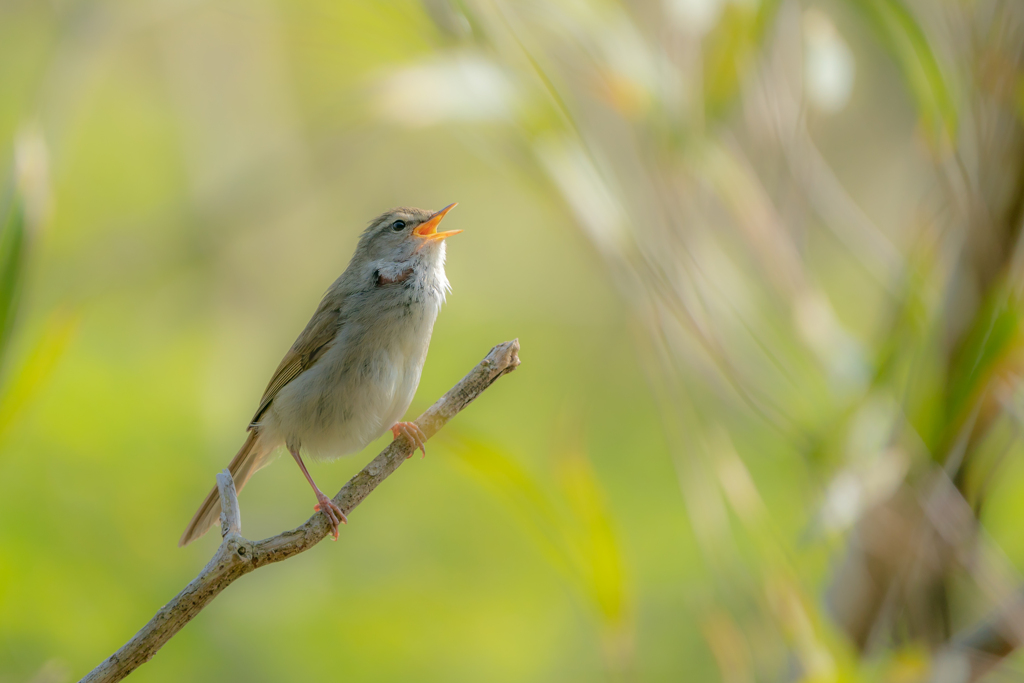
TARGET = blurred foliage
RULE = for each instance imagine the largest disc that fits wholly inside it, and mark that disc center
(12, 258)
(731, 48)
(900, 31)
(23, 208)
(577, 536)
(762, 257)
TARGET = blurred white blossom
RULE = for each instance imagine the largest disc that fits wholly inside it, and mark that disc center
(695, 16)
(451, 88)
(32, 171)
(874, 470)
(828, 63)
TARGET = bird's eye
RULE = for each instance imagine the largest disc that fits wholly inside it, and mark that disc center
(398, 225)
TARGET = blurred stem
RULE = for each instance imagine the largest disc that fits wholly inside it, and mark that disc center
(979, 650)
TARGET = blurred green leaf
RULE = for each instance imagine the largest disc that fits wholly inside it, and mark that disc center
(12, 258)
(582, 545)
(19, 216)
(896, 26)
(996, 334)
(31, 375)
(1018, 98)
(729, 50)
(519, 489)
(593, 536)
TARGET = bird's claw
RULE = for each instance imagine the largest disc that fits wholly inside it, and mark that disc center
(411, 431)
(333, 513)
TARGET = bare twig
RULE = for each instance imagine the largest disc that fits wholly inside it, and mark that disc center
(238, 556)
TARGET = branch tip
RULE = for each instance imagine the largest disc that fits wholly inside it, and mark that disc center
(230, 515)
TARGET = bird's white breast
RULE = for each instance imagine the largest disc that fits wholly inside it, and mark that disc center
(361, 386)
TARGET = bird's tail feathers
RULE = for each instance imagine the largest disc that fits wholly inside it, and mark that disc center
(250, 457)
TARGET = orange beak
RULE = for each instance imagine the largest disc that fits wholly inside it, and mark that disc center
(428, 229)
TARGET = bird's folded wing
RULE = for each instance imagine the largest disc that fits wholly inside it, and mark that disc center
(312, 343)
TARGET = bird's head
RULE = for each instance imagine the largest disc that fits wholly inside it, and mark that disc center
(404, 234)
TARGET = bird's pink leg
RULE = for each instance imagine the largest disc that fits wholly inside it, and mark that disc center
(323, 503)
(411, 431)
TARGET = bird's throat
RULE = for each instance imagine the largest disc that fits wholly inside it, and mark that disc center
(382, 280)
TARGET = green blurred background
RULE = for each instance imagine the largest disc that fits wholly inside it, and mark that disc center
(756, 253)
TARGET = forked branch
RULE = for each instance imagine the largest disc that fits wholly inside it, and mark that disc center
(238, 556)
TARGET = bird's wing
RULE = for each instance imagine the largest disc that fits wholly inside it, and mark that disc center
(312, 343)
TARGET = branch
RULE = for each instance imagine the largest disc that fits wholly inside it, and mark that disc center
(230, 515)
(238, 556)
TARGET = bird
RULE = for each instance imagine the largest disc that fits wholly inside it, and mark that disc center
(352, 372)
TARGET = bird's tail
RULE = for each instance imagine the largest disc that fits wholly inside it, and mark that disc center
(250, 457)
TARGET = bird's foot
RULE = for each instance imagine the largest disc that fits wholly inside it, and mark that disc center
(333, 513)
(411, 431)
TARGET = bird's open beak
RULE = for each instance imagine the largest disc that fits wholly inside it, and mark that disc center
(428, 229)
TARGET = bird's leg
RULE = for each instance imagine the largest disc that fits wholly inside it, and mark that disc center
(411, 431)
(323, 503)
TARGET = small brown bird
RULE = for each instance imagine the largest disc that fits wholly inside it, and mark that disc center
(354, 369)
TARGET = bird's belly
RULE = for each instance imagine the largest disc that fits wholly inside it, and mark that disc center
(346, 401)
(377, 407)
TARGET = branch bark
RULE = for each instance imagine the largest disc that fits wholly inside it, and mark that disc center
(237, 556)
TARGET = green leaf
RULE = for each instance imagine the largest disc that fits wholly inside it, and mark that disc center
(31, 374)
(582, 544)
(729, 52)
(995, 334)
(906, 40)
(12, 260)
